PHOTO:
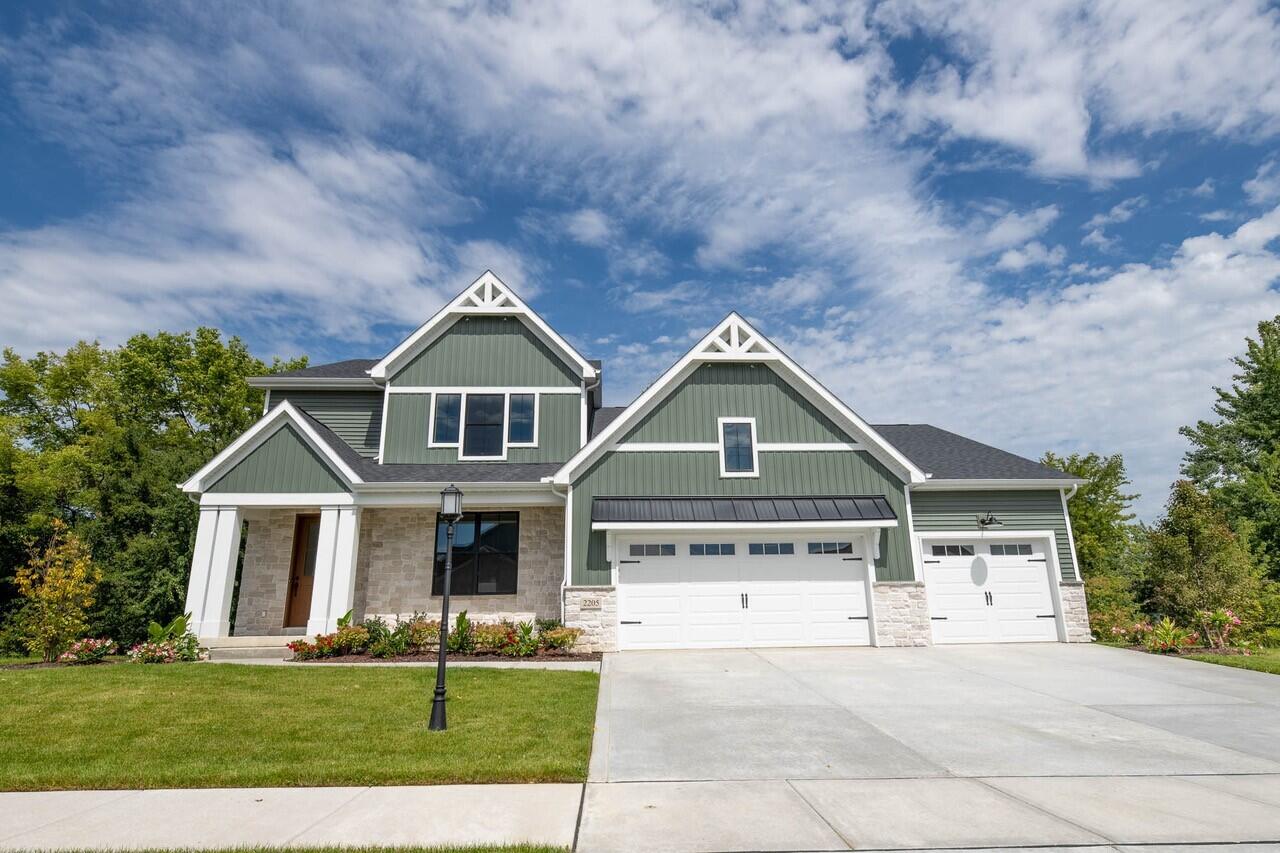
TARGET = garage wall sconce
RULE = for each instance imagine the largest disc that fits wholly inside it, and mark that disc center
(986, 522)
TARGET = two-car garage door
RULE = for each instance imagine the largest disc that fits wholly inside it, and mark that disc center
(723, 591)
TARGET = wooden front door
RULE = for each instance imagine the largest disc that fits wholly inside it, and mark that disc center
(302, 571)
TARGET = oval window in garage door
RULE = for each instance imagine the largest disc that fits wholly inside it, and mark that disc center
(978, 571)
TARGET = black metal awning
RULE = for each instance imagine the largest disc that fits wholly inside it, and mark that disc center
(779, 510)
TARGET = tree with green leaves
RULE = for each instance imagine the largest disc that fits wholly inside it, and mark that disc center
(98, 437)
(1236, 457)
(1100, 518)
(1198, 562)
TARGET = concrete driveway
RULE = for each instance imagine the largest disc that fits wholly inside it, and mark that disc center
(977, 746)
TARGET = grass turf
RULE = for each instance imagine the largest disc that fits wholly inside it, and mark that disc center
(1266, 660)
(228, 725)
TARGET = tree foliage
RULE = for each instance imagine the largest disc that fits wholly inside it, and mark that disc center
(1236, 458)
(99, 437)
(1100, 517)
(57, 587)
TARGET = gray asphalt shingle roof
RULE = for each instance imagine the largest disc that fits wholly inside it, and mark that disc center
(947, 456)
(752, 509)
(352, 368)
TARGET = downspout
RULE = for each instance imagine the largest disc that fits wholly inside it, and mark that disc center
(568, 532)
(1074, 488)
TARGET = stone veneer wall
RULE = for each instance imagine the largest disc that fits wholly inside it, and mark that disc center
(594, 609)
(902, 614)
(397, 547)
(1075, 613)
(264, 578)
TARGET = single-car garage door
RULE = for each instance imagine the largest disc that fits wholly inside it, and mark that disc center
(989, 592)
(717, 591)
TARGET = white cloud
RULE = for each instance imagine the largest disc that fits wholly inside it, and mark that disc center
(1205, 189)
(1033, 254)
(589, 226)
(1097, 224)
(1218, 216)
(1264, 187)
(1014, 228)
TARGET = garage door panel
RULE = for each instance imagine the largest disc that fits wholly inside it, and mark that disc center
(989, 596)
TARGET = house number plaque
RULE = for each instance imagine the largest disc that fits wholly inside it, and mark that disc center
(590, 604)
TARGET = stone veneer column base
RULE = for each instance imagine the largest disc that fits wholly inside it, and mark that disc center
(902, 614)
(594, 609)
(1075, 613)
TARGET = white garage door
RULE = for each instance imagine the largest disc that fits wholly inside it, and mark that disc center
(989, 592)
(716, 591)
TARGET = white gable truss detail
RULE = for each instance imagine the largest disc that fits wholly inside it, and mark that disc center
(486, 295)
(253, 438)
(734, 340)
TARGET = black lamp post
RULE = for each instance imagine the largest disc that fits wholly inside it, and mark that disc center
(450, 511)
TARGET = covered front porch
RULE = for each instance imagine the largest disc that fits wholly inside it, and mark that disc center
(303, 566)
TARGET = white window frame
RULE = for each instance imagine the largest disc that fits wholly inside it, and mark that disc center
(755, 447)
(462, 426)
(431, 419)
(537, 406)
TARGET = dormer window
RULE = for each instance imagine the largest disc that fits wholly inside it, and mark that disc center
(738, 448)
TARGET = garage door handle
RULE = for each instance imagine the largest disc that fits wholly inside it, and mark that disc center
(933, 561)
(859, 617)
(631, 622)
(847, 559)
(628, 561)
(1046, 616)
(938, 618)
(1036, 560)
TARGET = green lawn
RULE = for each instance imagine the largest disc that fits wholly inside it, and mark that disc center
(207, 725)
(1266, 660)
(7, 661)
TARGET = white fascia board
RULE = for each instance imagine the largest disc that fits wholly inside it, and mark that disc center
(993, 485)
(712, 447)
(314, 383)
(476, 494)
(487, 295)
(481, 389)
(743, 344)
(930, 535)
(276, 499)
(774, 526)
(250, 439)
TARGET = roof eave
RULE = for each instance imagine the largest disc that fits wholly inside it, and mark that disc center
(985, 484)
(274, 383)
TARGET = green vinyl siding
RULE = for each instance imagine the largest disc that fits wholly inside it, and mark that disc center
(355, 416)
(1017, 510)
(408, 417)
(718, 390)
(282, 463)
(698, 473)
(496, 352)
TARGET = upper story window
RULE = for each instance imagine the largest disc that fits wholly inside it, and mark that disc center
(482, 430)
(448, 412)
(522, 419)
(738, 447)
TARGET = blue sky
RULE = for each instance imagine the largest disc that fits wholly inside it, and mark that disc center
(1047, 226)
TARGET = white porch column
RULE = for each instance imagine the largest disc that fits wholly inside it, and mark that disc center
(334, 586)
(213, 571)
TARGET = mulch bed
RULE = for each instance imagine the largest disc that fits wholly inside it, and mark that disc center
(453, 656)
(1194, 650)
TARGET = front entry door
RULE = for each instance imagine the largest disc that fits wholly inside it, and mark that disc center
(302, 571)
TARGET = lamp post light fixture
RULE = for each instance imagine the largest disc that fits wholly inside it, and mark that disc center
(450, 511)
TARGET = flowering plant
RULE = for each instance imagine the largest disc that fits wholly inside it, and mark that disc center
(559, 639)
(88, 650)
(149, 652)
(1218, 626)
(1135, 632)
(1167, 636)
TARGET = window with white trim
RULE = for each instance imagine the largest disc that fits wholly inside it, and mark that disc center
(446, 418)
(712, 549)
(1011, 549)
(522, 420)
(770, 549)
(738, 447)
(652, 550)
(953, 550)
(830, 547)
(482, 427)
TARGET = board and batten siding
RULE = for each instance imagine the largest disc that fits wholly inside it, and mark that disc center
(409, 416)
(1017, 510)
(495, 352)
(355, 416)
(751, 390)
(846, 472)
(284, 463)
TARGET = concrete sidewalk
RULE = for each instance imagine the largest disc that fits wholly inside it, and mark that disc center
(220, 818)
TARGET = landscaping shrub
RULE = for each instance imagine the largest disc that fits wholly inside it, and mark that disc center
(1111, 606)
(544, 625)
(1219, 627)
(58, 585)
(462, 638)
(1131, 634)
(149, 652)
(304, 650)
(424, 634)
(559, 639)
(491, 638)
(89, 650)
(521, 642)
(1169, 637)
(377, 629)
(350, 640)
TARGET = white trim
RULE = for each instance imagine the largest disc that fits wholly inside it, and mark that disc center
(1071, 537)
(712, 447)
(568, 545)
(254, 436)
(266, 402)
(537, 409)
(314, 383)
(985, 485)
(276, 499)
(755, 453)
(735, 340)
(916, 568)
(771, 526)
(382, 428)
(431, 420)
(486, 295)
(462, 428)
(584, 411)
(1051, 567)
(870, 552)
(481, 389)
